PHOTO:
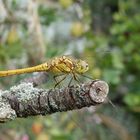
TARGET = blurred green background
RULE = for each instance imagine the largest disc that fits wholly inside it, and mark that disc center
(105, 33)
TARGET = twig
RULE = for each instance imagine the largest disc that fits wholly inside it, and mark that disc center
(25, 100)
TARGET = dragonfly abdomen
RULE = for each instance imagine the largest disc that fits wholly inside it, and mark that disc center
(15, 72)
(38, 68)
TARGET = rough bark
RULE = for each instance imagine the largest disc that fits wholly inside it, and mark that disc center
(25, 100)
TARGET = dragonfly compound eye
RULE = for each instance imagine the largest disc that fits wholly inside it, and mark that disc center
(81, 66)
(84, 66)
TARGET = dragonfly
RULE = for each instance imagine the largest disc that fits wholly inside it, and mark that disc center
(59, 65)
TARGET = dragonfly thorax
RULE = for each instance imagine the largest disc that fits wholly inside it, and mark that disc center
(62, 65)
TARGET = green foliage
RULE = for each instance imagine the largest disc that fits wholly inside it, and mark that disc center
(3, 57)
(132, 99)
(112, 76)
(125, 35)
(10, 51)
(106, 34)
(47, 15)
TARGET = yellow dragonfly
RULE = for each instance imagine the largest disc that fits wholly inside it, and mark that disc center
(59, 65)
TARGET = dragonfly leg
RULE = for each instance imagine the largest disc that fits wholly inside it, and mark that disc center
(76, 78)
(55, 77)
(87, 76)
(58, 82)
(70, 81)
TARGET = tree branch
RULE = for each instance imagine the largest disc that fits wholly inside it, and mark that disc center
(25, 100)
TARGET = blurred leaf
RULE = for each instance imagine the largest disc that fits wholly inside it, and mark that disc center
(42, 136)
(132, 99)
(57, 134)
(13, 36)
(117, 60)
(129, 47)
(13, 50)
(66, 3)
(118, 29)
(77, 29)
(111, 76)
(47, 15)
(136, 38)
(96, 73)
(3, 56)
(119, 17)
(70, 126)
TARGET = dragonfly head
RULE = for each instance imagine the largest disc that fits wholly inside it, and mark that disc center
(81, 66)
